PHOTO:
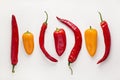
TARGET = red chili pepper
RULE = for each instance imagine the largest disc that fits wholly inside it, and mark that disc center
(14, 43)
(78, 41)
(60, 41)
(107, 38)
(41, 40)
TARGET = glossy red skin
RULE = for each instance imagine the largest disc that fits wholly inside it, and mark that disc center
(107, 40)
(60, 41)
(14, 42)
(78, 40)
(41, 42)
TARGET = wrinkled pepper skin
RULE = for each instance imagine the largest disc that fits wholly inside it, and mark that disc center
(42, 40)
(78, 41)
(91, 40)
(28, 42)
(60, 40)
(107, 39)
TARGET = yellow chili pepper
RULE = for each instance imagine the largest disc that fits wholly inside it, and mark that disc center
(91, 40)
(28, 42)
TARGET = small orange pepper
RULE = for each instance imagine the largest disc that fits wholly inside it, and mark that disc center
(91, 40)
(28, 42)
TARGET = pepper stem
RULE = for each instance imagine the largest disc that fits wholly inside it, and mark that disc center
(27, 31)
(100, 16)
(90, 27)
(70, 68)
(13, 71)
(57, 29)
(46, 17)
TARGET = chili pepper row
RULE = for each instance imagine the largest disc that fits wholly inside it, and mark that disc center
(60, 41)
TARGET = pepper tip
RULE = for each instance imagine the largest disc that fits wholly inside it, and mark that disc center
(13, 16)
(98, 62)
(57, 17)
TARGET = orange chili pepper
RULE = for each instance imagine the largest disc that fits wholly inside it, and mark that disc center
(28, 42)
(91, 40)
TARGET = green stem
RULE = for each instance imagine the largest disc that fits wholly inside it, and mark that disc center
(27, 31)
(90, 27)
(46, 17)
(100, 16)
(70, 68)
(57, 29)
(13, 67)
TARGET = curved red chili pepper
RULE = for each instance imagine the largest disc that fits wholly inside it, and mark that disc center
(14, 43)
(60, 41)
(107, 39)
(41, 40)
(78, 41)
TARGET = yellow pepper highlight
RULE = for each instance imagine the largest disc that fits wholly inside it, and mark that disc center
(91, 40)
(28, 42)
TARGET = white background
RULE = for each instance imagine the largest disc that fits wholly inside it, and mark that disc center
(30, 16)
